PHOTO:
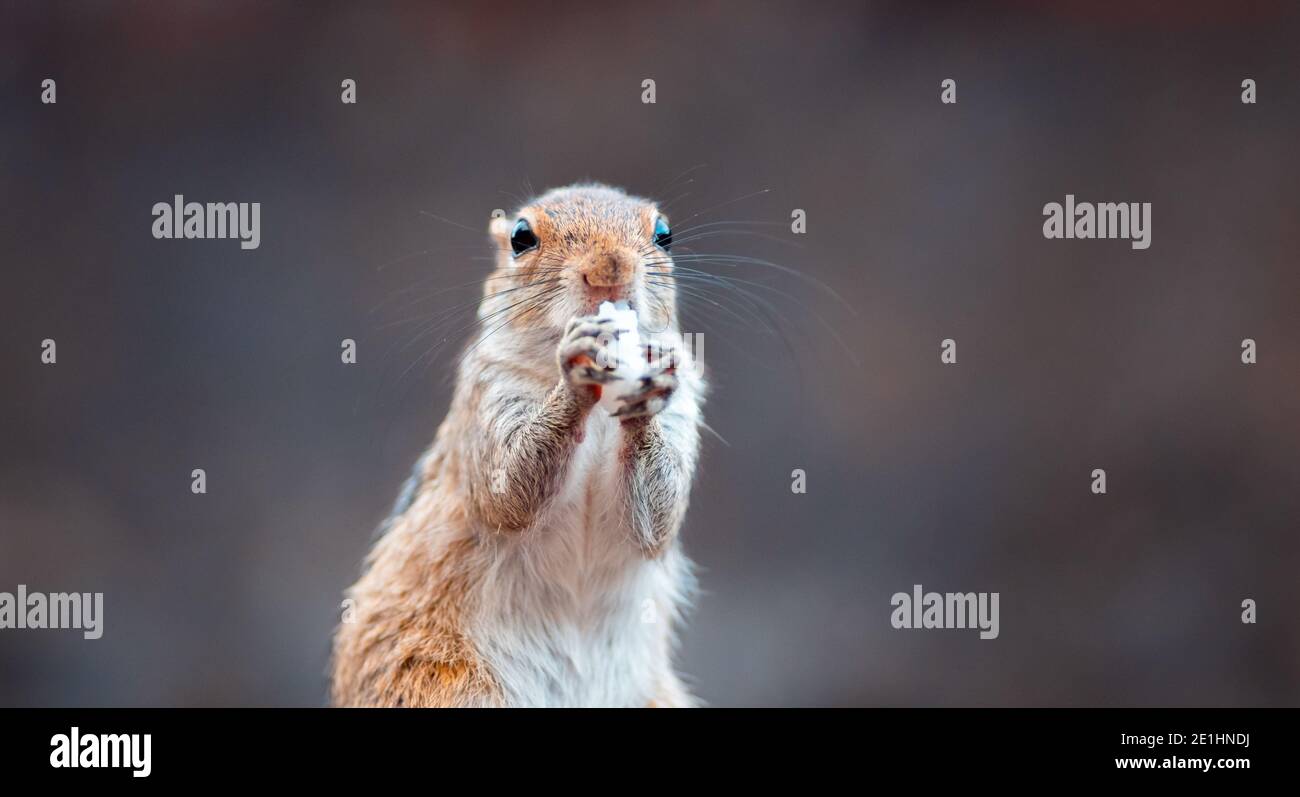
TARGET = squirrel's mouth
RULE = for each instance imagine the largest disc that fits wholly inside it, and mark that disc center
(591, 303)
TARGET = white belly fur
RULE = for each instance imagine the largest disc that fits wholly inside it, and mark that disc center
(572, 613)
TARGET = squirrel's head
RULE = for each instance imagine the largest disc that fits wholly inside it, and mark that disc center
(568, 250)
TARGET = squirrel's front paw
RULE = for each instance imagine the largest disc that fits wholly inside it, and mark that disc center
(655, 387)
(585, 355)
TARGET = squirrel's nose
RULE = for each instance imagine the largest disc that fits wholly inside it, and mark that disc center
(609, 270)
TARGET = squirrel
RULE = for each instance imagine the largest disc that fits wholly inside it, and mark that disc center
(532, 558)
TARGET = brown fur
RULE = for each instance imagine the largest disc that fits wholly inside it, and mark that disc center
(404, 646)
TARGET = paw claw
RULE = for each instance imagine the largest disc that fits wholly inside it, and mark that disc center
(584, 355)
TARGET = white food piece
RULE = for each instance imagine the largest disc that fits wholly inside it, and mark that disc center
(626, 352)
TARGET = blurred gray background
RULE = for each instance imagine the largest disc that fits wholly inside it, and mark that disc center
(925, 218)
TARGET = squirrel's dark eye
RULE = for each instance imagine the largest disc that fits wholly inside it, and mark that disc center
(663, 235)
(522, 239)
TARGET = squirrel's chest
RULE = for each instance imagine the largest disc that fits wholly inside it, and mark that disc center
(585, 620)
(592, 499)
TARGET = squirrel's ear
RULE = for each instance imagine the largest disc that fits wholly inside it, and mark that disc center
(499, 227)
